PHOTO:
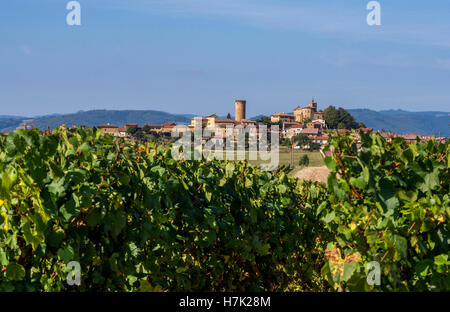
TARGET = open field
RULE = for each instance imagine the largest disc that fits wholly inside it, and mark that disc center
(315, 158)
(316, 174)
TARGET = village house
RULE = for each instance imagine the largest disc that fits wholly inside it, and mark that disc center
(109, 129)
(282, 117)
(322, 140)
(292, 130)
(123, 132)
(311, 132)
(411, 138)
(317, 124)
(154, 128)
(167, 127)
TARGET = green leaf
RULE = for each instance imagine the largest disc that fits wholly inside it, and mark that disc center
(401, 245)
(349, 269)
(441, 259)
(282, 188)
(330, 163)
(431, 181)
(386, 189)
(329, 217)
(55, 237)
(66, 254)
(84, 148)
(409, 196)
(32, 235)
(423, 266)
(321, 207)
(229, 169)
(119, 220)
(15, 272)
(359, 182)
(208, 196)
(8, 179)
(70, 209)
(264, 249)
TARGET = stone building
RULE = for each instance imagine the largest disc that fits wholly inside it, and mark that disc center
(213, 122)
(283, 117)
(309, 112)
(240, 109)
(109, 129)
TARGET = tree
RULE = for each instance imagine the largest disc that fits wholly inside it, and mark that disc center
(229, 116)
(304, 161)
(314, 147)
(146, 128)
(301, 139)
(265, 120)
(286, 142)
(340, 119)
(132, 130)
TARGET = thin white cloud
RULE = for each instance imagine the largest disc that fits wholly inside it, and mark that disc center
(333, 20)
(25, 49)
(342, 58)
(443, 63)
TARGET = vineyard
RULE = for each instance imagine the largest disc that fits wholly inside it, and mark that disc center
(137, 220)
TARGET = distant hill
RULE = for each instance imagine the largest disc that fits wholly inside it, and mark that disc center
(399, 121)
(257, 117)
(95, 118)
(403, 122)
(12, 117)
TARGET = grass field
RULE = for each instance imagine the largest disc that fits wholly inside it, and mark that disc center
(315, 159)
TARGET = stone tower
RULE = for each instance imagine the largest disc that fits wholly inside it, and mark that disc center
(240, 110)
(313, 104)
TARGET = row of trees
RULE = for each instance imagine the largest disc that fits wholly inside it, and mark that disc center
(340, 119)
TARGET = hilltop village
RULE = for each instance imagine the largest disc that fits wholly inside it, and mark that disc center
(306, 120)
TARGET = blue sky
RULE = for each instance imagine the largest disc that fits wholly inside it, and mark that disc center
(198, 56)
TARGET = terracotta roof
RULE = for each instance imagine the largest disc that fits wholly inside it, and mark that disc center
(310, 131)
(123, 129)
(293, 125)
(283, 114)
(225, 120)
(169, 125)
(412, 136)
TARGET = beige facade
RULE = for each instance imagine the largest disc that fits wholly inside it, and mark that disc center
(283, 117)
(307, 113)
(109, 129)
